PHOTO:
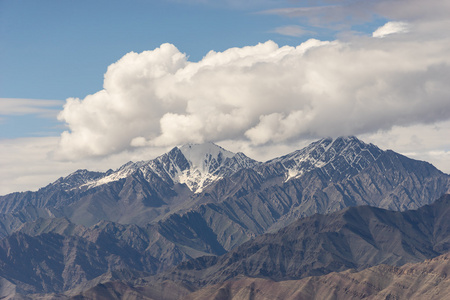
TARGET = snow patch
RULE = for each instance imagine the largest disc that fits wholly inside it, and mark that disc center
(116, 176)
(201, 156)
(205, 161)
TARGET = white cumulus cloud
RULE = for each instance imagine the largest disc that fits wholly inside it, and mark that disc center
(262, 94)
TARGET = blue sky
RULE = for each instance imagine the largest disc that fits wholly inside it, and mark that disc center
(353, 81)
(61, 49)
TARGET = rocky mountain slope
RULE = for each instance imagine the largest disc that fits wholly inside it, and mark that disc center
(372, 240)
(326, 176)
(136, 193)
(426, 280)
(354, 238)
(201, 200)
(52, 262)
(264, 199)
(254, 199)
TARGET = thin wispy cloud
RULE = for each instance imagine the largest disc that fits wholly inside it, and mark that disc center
(391, 28)
(39, 107)
(299, 11)
(337, 16)
(292, 30)
(345, 13)
(233, 4)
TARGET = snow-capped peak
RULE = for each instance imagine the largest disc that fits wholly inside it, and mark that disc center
(332, 155)
(196, 165)
(207, 163)
(206, 157)
(79, 178)
(199, 165)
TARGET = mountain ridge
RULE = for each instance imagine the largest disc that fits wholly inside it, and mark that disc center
(427, 280)
(144, 207)
(335, 173)
(328, 152)
(354, 239)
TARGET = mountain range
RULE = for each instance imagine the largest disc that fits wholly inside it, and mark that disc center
(305, 254)
(353, 238)
(212, 214)
(426, 280)
(379, 240)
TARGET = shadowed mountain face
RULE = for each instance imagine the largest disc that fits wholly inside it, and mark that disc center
(56, 255)
(202, 199)
(426, 280)
(272, 266)
(52, 262)
(354, 238)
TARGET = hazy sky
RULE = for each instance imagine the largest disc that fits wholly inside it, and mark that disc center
(94, 84)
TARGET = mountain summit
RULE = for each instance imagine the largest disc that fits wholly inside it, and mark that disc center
(208, 163)
(195, 165)
(206, 157)
(347, 155)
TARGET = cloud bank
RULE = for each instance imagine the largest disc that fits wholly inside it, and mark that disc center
(262, 94)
